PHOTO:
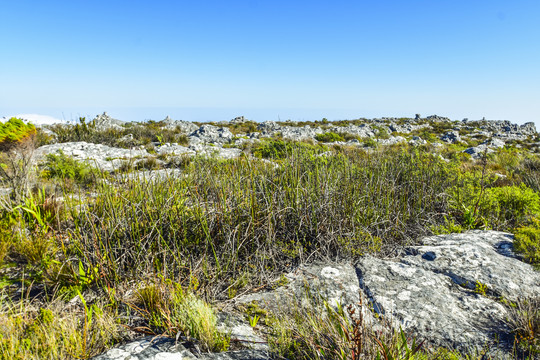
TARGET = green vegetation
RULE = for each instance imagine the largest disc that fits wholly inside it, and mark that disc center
(14, 131)
(63, 167)
(226, 226)
(329, 137)
(527, 241)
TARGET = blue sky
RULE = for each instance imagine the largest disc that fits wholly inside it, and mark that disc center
(213, 60)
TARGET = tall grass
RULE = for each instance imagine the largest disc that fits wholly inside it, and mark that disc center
(224, 219)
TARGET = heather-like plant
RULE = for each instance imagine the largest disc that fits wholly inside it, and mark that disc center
(13, 132)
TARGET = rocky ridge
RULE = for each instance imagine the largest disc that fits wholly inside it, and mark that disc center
(217, 139)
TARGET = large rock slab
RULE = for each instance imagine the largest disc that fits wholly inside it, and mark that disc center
(478, 257)
(451, 290)
(430, 305)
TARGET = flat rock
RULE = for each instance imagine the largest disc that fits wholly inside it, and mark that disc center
(101, 156)
(162, 348)
(335, 283)
(432, 290)
(478, 256)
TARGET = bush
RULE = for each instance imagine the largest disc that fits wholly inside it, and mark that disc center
(169, 309)
(527, 242)
(64, 167)
(273, 149)
(15, 166)
(477, 203)
(13, 132)
(329, 137)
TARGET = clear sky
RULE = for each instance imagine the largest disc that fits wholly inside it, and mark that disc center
(213, 60)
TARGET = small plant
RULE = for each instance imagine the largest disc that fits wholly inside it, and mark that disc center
(480, 288)
(253, 320)
(329, 137)
(170, 310)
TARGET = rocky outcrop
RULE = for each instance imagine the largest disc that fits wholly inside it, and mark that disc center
(300, 133)
(363, 131)
(437, 118)
(186, 127)
(103, 157)
(105, 122)
(392, 140)
(406, 128)
(451, 137)
(211, 134)
(487, 147)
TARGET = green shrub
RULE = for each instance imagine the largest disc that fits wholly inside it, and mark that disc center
(8, 222)
(527, 242)
(64, 167)
(273, 149)
(479, 204)
(513, 205)
(14, 131)
(55, 332)
(329, 137)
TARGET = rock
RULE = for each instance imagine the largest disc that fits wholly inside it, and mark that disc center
(336, 283)
(406, 128)
(103, 157)
(299, 133)
(478, 256)
(392, 140)
(162, 348)
(451, 137)
(267, 127)
(174, 149)
(105, 122)
(237, 120)
(429, 290)
(477, 152)
(211, 134)
(363, 130)
(150, 175)
(438, 118)
(224, 153)
(241, 332)
(186, 126)
(417, 141)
